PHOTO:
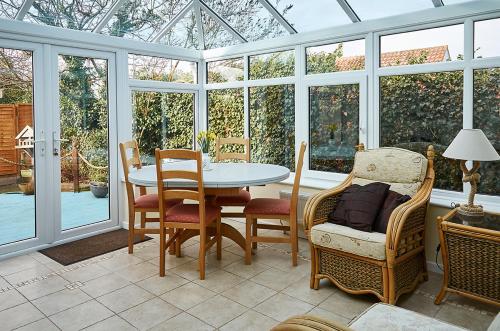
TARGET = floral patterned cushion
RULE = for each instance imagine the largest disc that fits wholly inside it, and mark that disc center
(265, 206)
(189, 213)
(402, 188)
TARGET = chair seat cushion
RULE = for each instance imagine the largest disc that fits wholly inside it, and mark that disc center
(189, 213)
(151, 201)
(266, 206)
(346, 239)
(241, 199)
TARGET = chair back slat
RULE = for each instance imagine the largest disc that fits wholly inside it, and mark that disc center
(184, 174)
(298, 175)
(180, 194)
(221, 156)
(133, 161)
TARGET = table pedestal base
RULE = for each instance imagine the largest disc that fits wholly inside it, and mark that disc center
(227, 231)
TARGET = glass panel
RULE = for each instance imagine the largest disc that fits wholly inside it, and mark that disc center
(333, 127)
(313, 14)
(71, 14)
(229, 70)
(159, 68)
(345, 56)
(486, 42)
(83, 103)
(487, 118)
(17, 172)
(9, 8)
(215, 34)
(184, 34)
(162, 120)
(272, 65)
(453, 2)
(423, 109)
(423, 46)
(368, 10)
(272, 125)
(225, 113)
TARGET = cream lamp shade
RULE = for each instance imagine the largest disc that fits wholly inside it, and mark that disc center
(471, 144)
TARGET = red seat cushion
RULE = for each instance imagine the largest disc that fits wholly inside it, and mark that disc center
(189, 213)
(151, 201)
(264, 206)
(241, 199)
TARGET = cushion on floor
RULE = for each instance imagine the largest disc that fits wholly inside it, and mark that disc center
(266, 206)
(345, 239)
(189, 213)
(151, 201)
(241, 199)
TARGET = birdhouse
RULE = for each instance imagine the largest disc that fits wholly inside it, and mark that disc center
(25, 139)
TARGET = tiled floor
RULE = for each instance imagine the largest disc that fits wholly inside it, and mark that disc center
(118, 291)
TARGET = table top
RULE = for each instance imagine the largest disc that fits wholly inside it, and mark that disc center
(221, 175)
(490, 221)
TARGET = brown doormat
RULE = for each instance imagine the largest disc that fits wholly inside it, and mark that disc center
(83, 249)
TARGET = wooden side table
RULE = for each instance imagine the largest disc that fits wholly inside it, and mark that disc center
(470, 248)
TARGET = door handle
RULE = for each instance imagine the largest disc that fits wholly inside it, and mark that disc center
(42, 148)
(55, 139)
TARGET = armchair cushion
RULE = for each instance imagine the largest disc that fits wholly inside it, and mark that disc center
(402, 188)
(391, 202)
(346, 239)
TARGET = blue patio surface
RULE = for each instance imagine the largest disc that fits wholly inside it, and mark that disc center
(17, 213)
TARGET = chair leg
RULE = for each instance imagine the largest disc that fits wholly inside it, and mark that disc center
(131, 225)
(143, 225)
(248, 240)
(219, 239)
(203, 247)
(254, 233)
(294, 240)
(163, 238)
(178, 245)
(171, 248)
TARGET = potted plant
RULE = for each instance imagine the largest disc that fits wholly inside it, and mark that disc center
(204, 139)
(99, 183)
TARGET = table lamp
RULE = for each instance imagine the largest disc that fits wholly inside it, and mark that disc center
(471, 144)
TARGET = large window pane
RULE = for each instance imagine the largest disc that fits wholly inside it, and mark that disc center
(223, 71)
(162, 120)
(272, 65)
(345, 56)
(225, 113)
(423, 46)
(158, 68)
(368, 10)
(485, 40)
(272, 125)
(333, 127)
(487, 118)
(423, 109)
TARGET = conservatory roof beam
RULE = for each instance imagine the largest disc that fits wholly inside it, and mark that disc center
(199, 23)
(438, 3)
(24, 9)
(349, 11)
(111, 12)
(222, 21)
(180, 15)
(278, 16)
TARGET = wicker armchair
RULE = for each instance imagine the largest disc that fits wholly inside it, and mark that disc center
(392, 263)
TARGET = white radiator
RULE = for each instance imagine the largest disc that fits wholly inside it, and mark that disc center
(301, 205)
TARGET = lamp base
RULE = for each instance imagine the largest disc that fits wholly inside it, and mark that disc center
(470, 210)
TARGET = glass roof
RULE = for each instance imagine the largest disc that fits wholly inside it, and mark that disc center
(205, 24)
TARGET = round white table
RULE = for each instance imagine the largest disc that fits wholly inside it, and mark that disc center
(222, 179)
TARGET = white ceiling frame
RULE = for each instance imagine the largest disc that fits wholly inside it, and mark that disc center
(199, 23)
(111, 12)
(24, 9)
(349, 11)
(180, 15)
(438, 3)
(222, 21)
(276, 14)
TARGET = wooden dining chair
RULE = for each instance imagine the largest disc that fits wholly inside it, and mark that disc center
(279, 209)
(243, 196)
(144, 203)
(185, 216)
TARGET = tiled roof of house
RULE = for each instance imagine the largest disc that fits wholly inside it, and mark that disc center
(434, 54)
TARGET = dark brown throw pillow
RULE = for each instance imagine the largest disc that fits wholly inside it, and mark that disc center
(358, 206)
(392, 200)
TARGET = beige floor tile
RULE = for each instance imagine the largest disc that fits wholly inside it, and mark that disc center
(250, 321)
(471, 304)
(235, 249)
(85, 273)
(347, 305)
(137, 272)
(159, 285)
(463, 317)
(149, 313)
(246, 270)
(249, 293)
(59, 301)
(226, 259)
(191, 271)
(120, 261)
(16, 264)
(217, 311)
(281, 306)
(171, 261)
(183, 322)
(114, 323)
(187, 296)
(329, 316)
(275, 279)
(16, 279)
(40, 325)
(125, 298)
(148, 253)
(301, 290)
(419, 303)
(219, 281)
(103, 285)
(433, 285)
(43, 287)
(40, 257)
(20, 315)
(81, 316)
(4, 284)
(10, 299)
(272, 258)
